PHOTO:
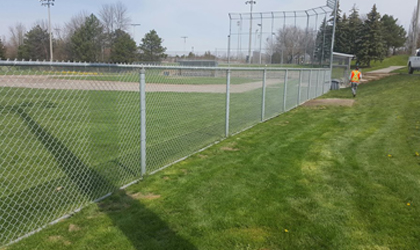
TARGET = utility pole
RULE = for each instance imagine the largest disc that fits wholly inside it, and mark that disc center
(416, 24)
(251, 3)
(185, 42)
(134, 29)
(49, 3)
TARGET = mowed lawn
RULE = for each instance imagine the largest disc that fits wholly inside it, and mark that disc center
(314, 178)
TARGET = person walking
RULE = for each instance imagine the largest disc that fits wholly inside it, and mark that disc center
(355, 78)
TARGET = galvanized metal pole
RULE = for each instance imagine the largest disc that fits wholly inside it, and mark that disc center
(286, 75)
(416, 24)
(261, 33)
(318, 80)
(299, 87)
(323, 81)
(308, 94)
(49, 30)
(263, 95)
(227, 103)
(143, 121)
(333, 36)
(250, 29)
(230, 33)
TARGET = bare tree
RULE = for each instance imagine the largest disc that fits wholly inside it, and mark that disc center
(74, 24)
(114, 17)
(291, 43)
(17, 36)
(410, 38)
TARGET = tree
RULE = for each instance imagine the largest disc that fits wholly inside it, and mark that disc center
(17, 35)
(372, 43)
(291, 41)
(410, 43)
(123, 48)
(2, 50)
(86, 42)
(340, 42)
(114, 17)
(354, 30)
(394, 35)
(323, 43)
(35, 45)
(152, 47)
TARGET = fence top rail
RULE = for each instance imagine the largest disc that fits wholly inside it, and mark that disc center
(322, 10)
(147, 66)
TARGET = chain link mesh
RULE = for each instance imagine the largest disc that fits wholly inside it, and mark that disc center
(71, 134)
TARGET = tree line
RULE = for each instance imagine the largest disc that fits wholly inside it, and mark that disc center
(369, 37)
(90, 38)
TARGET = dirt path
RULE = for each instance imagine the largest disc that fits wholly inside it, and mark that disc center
(51, 82)
(379, 74)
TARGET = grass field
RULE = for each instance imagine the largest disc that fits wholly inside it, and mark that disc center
(64, 148)
(313, 178)
(398, 60)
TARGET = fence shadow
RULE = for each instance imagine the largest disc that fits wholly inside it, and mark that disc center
(142, 227)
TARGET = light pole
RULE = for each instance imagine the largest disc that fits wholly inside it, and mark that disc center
(251, 3)
(49, 3)
(239, 39)
(134, 29)
(416, 24)
(185, 42)
(260, 24)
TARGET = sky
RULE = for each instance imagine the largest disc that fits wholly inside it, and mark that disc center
(204, 23)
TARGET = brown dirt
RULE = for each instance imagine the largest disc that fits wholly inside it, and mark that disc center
(330, 102)
(140, 196)
(73, 228)
(367, 77)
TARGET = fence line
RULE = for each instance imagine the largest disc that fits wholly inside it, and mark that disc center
(72, 133)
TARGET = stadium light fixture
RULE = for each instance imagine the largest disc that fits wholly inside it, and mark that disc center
(49, 3)
(331, 3)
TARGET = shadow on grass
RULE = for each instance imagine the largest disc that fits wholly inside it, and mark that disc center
(142, 227)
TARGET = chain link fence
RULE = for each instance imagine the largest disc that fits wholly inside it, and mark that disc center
(72, 133)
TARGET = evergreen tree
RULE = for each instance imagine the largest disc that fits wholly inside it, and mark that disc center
(354, 30)
(152, 47)
(123, 48)
(35, 45)
(372, 44)
(394, 35)
(86, 42)
(323, 43)
(2, 50)
(340, 34)
(343, 43)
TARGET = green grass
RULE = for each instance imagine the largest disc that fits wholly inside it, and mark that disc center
(63, 139)
(398, 60)
(322, 173)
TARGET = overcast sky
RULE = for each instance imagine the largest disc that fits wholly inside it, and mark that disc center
(204, 22)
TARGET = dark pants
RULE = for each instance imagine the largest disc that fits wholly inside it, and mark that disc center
(354, 87)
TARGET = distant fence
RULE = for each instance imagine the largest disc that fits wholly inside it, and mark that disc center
(72, 133)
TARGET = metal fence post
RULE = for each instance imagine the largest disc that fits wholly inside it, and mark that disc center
(286, 75)
(308, 94)
(319, 82)
(323, 82)
(143, 121)
(263, 95)
(227, 103)
(299, 87)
